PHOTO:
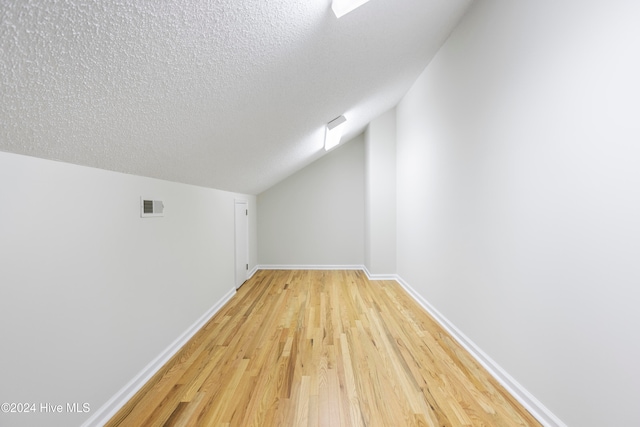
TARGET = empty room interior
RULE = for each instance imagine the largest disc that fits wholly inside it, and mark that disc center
(204, 204)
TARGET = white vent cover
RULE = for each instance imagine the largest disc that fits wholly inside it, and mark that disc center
(151, 208)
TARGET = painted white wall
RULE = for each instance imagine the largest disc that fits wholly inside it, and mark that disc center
(316, 216)
(380, 194)
(90, 292)
(519, 201)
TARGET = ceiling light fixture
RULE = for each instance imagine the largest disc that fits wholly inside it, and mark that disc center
(333, 133)
(342, 7)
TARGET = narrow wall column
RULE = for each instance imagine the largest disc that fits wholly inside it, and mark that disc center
(380, 195)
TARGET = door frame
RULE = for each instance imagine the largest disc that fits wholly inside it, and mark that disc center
(236, 274)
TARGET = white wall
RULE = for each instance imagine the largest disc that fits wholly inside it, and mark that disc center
(90, 292)
(380, 194)
(316, 216)
(519, 200)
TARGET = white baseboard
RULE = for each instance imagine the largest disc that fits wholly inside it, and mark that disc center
(379, 276)
(526, 399)
(328, 267)
(308, 267)
(118, 400)
(253, 271)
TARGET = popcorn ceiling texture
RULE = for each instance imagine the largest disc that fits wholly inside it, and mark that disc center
(229, 94)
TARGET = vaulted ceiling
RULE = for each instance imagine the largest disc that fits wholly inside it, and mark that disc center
(228, 94)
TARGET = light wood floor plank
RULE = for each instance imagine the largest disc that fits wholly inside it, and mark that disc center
(322, 349)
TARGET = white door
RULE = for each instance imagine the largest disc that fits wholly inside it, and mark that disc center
(242, 242)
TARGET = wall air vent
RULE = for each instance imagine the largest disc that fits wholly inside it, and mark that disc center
(151, 208)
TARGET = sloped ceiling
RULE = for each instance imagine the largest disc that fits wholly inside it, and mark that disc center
(228, 94)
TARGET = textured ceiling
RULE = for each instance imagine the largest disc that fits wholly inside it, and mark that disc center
(229, 94)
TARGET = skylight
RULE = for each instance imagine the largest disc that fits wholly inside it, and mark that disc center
(333, 132)
(342, 7)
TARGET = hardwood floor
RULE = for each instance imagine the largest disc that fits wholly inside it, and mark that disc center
(322, 348)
